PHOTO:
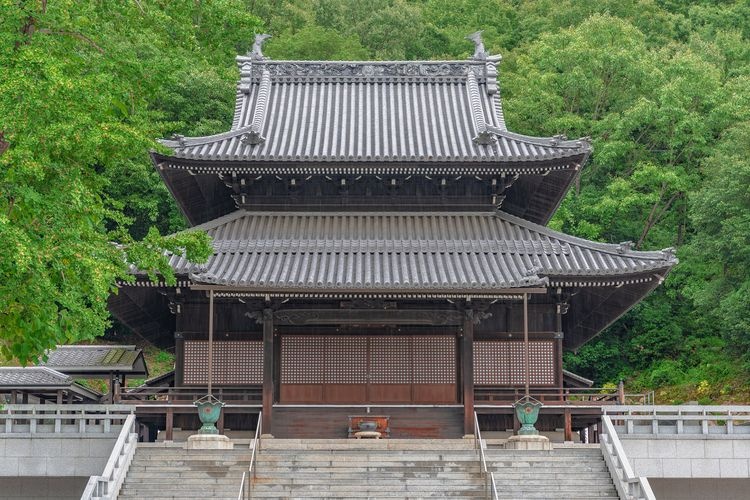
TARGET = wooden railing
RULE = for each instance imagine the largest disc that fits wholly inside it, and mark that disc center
(169, 395)
(63, 420)
(627, 483)
(481, 445)
(567, 395)
(107, 486)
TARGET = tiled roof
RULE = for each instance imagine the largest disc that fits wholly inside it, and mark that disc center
(33, 376)
(95, 358)
(403, 252)
(355, 112)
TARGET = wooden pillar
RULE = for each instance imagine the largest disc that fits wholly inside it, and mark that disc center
(559, 346)
(621, 392)
(179, 359)
(268, 370)
(59, 396)
(568, 425)
(527, 368)
(467, 371)
(170, 425)
(210, 341)
(116, 389)
(25, 398)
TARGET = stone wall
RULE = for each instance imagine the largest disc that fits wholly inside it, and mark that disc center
(689, 456)
(54, 456)
(37, 488)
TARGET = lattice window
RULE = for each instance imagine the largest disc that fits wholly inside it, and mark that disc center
(434, 359)
(302, 359)
(235, 362)
(502, 363)
(390, 360)
(346, 360)
(516, 365)
(542, 362)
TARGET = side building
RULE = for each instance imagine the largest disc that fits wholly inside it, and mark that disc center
(380, 245)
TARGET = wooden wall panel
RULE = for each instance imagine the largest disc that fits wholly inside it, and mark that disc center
(390, 393)
(361, 369)
(503, 363)
(236, 362)
(327, 423)
(302, 359)
(434, 359)
(390, 360)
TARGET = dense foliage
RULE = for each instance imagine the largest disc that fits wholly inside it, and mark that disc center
(662, 86)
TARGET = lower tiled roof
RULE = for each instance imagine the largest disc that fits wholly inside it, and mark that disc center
(434, 252)
(33, 376)
(96, 358)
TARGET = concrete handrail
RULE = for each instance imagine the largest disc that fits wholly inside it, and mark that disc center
(49, 418)
(629, 486)
(107, 486)
(685, 418)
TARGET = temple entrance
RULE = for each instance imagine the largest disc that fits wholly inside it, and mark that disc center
(368, 369)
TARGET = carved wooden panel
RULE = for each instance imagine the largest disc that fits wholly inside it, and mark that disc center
(234, 362)
(502, 363)
(302, 359)
(434, 359)
(390, 360)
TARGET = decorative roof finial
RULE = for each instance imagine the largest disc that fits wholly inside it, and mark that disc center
(480, 53)
(257, 50)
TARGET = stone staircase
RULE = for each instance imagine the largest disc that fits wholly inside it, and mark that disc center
(567, 472)
(394, 468)
(340, 468)
(168, 471)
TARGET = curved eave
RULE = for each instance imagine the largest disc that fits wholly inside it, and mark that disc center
(227, 150)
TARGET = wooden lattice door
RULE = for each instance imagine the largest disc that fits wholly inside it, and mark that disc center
(368, 369)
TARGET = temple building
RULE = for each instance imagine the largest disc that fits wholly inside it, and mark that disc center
(380, 246)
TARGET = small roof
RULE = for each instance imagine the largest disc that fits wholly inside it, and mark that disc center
(357, 112)
(33, 376)
(40, 379)
(97, 360)
(433, 252)
(571, 379)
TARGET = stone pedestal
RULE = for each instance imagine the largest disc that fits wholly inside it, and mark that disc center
(532, 442)
(209, 442)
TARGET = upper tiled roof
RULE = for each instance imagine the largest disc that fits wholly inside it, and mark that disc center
(355, 112)
(403, 252)
(33, 376)
(96, 359)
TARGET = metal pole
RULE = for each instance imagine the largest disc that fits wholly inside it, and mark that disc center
(210, 339)
(526, 339)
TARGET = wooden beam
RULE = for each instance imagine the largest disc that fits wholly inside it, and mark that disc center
(268, 370)
(368, 316)
(568, 425)
(467, 370)
(458, 293)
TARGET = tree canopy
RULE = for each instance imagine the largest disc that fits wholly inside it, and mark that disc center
(663, 88)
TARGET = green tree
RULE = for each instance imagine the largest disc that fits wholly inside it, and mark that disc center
(78, 90)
